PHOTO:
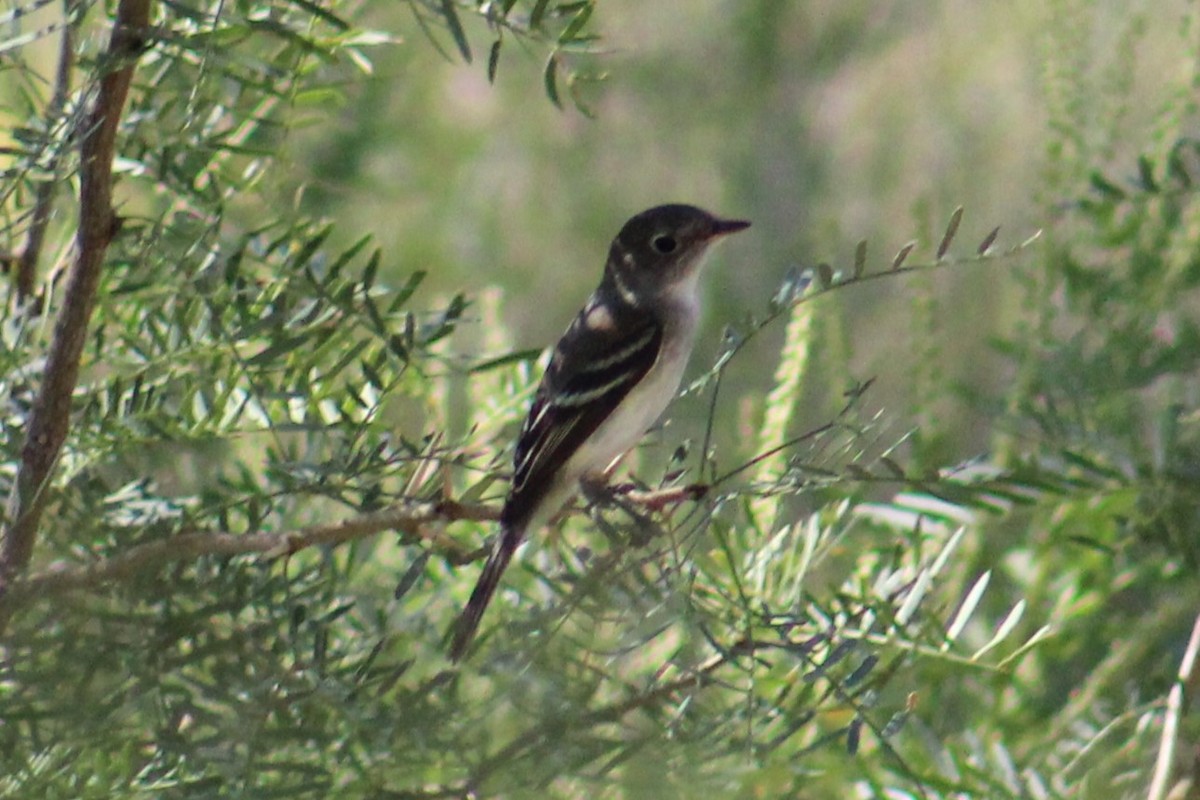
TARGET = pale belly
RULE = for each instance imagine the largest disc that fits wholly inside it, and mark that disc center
(640, 409)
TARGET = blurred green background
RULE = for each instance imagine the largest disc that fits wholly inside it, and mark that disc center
(1070, 366)
(823, 122)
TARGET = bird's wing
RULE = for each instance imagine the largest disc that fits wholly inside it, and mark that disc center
(593, 368)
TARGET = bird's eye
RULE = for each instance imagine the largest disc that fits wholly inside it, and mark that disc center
(663, 244)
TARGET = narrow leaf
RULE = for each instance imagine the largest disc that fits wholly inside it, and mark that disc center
(456, 29)
(310, 249)
(405, 291)
(346, 257)
(840, 651)
(858, 473)
(894, 724)
(1177, 168)
(372, 375)
(412, 574)
(951, 230)
(967, 609)
(854, 735)
(1036, 235)
(825, 275)
(316, 10)
(277, 349)
(550, 79)
(860, 258)
(1146, 174)
(398, 345)
(369, 273)
(915, 595)
(504, 360)
(1003, 630)
(539, 11)
(988, 241)
(1044, 632)
(493, 61)
(902, 254)
(862, 670)
(576, 24)
(1106, 187)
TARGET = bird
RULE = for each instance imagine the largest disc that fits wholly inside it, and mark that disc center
(610, 377)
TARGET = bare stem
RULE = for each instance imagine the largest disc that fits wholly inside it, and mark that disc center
(1160, 782)
(413, 519)
(50, 419)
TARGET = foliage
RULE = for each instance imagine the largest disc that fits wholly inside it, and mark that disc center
(220, 605)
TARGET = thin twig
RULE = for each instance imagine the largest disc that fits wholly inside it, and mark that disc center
(27, 264)
(854, 396)
(412, 518)
(1170, 730)
(1122, 655)
(49, 419)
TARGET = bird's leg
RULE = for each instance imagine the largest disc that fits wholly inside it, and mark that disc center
(598, 492)
(659, 499)
(595, 489)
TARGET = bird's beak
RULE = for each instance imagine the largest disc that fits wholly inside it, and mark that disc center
(724, 227)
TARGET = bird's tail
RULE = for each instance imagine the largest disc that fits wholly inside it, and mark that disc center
(468, 621)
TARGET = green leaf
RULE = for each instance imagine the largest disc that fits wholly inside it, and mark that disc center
(1146, 174)
(316, 10)
(493, 60)
(860, 258)
(576, 24)
(550, 79)
(369, 273)
(504, 360)
(311, 246)
(538, 12)
(456, 29)
(406, 291)
(411, 575)
(273, 351)
(951, 230)
(346, 257)
(824, 275)
(1106, 187)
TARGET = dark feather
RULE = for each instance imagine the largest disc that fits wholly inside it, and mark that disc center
(583, 369)
(468, 622)
(593, 368)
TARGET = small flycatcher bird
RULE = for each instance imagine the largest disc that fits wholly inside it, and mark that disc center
(611, 375)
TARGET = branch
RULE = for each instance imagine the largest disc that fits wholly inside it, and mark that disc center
(411, 518)
(1160, 780)
(49, 420)
(30, 255)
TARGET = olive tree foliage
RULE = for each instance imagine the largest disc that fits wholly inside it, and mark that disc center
(244, 508)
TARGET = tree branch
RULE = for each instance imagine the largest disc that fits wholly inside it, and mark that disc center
(31, 253)
(411, 518)
(49, 420)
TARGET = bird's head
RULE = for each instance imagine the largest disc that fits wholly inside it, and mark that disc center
(660, 250)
